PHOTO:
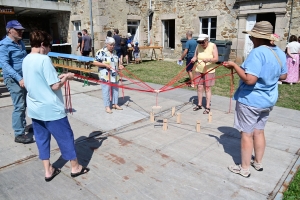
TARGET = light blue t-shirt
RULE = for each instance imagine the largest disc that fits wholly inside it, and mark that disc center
(262, 63)
(191, 46)
(43, 103)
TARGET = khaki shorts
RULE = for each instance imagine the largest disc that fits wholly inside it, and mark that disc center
(205, 79)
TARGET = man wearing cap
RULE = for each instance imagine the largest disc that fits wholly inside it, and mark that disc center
(256, 95)
(12, 53)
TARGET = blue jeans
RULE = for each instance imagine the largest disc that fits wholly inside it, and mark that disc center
(18, 96)
(106, 94)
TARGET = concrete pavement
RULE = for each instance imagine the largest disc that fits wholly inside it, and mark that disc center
(132, 158)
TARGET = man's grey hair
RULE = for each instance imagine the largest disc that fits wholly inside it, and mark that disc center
(189, 33)
(110, 40)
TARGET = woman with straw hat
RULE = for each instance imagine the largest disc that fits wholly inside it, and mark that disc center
(257, 94)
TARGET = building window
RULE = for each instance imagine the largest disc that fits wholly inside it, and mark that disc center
(209, 26)
(133, 28)
(77, 25)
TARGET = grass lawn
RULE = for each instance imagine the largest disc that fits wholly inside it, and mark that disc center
(161, 72)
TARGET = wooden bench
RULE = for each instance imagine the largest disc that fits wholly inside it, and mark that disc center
(152, 52)
(82, 71)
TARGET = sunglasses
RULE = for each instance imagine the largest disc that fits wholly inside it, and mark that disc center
(201, 42)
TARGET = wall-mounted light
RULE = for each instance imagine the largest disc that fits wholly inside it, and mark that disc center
(260, 5)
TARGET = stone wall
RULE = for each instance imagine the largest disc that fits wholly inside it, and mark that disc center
(108, 15)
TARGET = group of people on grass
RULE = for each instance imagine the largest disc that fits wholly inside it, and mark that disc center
(256, 95)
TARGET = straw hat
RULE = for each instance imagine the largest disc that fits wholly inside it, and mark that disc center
(263, 30)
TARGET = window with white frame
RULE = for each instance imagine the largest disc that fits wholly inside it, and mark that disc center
(133, 29)
(77, 25)
(208, 26)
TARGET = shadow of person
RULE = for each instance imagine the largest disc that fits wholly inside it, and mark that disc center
(231, 142)
(194, 100)
(85, 147)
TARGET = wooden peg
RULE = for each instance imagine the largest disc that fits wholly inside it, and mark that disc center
(151, 117)
(165, 124)
(198, 126)
(173, 111)
(209, 117)
(178, 118)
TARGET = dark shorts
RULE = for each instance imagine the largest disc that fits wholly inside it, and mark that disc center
(85, 53)
(124, 50)
(118, 52)
(189, 65)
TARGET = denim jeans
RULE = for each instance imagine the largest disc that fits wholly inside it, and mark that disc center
(106, 94)
(18, 96)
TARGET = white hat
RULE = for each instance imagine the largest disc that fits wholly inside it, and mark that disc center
(128, 34)
(202, 37)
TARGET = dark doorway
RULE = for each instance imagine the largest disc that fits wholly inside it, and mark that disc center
(169, 33)
(270, 17)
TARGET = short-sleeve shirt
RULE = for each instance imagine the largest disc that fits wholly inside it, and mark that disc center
(117, 41)
(262, 63)
(80, 42)
(43, 103)
(106, 57)
(294, 47)
(87, 43)
(191, 45)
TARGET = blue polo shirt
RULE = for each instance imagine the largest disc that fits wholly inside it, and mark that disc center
(262, 63)
(191, 46)
(11, 58)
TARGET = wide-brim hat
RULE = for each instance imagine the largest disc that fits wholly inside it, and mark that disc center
(263, 30)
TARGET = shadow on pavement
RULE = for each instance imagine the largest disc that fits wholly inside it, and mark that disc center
(230, 140)
(85, 147)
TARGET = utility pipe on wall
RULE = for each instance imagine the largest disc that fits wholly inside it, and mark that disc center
(92, 29)
(150, 6)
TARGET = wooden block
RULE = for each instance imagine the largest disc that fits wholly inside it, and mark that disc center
(198, 126)
(151, 117)
(173, 111)
(210, 117)
(165, 124)
(178, 118)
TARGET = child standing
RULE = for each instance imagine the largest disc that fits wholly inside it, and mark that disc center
(136, 53)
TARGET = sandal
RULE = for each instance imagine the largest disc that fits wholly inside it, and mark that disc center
(55, 173)
(197, 108)
(83, 171)
(206, 111)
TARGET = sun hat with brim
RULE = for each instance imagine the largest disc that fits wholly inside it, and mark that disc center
(128, 34)
(202, 37)
(14, 24)
(263, 30)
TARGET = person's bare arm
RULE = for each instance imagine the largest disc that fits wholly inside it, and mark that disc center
(63, 78)
(289, 52)
(283, 77)
(195, 55)
(184, 54)
(100, 64)
(82, 45)
(249, 79)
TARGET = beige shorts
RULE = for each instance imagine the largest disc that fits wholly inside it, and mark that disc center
(204, 79)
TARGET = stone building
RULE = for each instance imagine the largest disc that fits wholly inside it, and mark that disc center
(164, 22)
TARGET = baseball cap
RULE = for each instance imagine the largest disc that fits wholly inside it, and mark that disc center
(14, 24)
(202, 37)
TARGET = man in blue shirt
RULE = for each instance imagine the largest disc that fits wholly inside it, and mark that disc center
(189, 51)
(12, 53)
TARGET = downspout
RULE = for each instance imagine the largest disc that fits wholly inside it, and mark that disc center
(150, 6)
(92, 29)
(290, 20)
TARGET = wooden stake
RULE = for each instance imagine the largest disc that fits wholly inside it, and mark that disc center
(151, 117)
(209, 117)
(198, 126)
(178, 118)
(165, 124)
(173, 111)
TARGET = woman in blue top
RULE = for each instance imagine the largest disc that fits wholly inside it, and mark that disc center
(45, 105)
(257, 94)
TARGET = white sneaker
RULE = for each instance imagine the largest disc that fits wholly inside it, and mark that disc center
(237, 169)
